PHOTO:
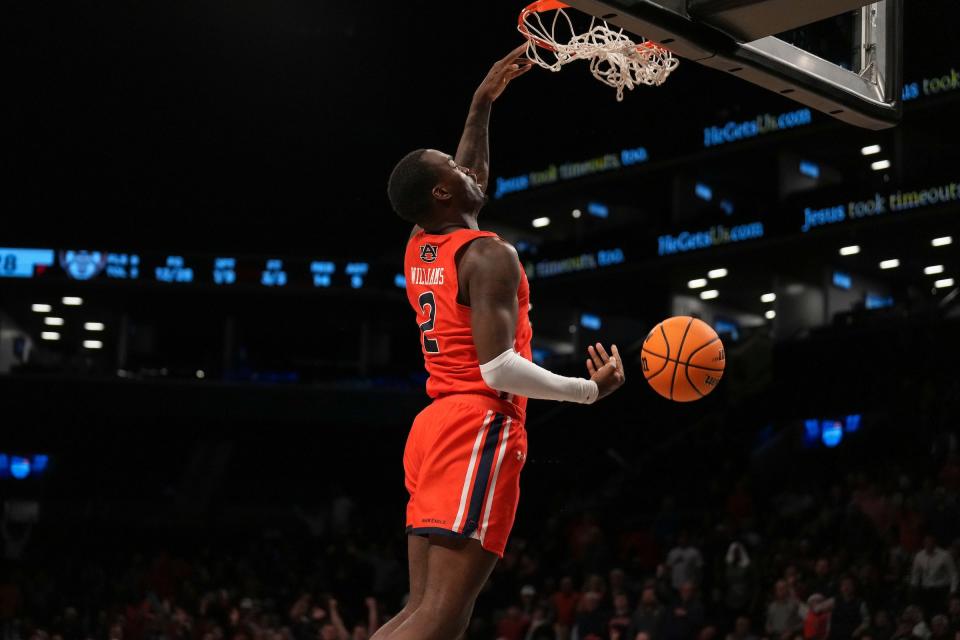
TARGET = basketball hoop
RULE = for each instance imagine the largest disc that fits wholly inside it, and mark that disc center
(615, 59)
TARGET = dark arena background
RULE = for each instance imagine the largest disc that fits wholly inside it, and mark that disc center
(208, 366)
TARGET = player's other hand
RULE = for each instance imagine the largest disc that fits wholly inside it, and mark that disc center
(605, 370)
(515, 64)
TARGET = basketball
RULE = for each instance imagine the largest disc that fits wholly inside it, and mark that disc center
(682, 358)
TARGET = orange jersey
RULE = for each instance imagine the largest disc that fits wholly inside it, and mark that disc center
(446, 336)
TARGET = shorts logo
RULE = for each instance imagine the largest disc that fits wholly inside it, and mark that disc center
(428, 252)
(521, 456)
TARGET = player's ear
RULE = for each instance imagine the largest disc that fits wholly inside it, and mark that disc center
(440, 193)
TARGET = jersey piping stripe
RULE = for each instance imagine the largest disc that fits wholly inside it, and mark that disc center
(473, 462)
(493, 483)
(483, 475)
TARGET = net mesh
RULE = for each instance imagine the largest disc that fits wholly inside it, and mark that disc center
(615, 59)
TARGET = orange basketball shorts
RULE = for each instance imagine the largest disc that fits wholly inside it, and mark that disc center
(462, 467)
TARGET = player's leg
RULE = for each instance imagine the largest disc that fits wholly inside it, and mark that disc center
(457, 568)
(417, 547)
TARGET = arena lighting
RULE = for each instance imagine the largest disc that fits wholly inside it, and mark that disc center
(697, 283)
(870, 150)
(19, 467)
(852, 424)
(943, 284)
(941, 242)
(852, 250)
(92, 344)
(709, 294)
(590, 321)
(933, 270)
(576, 214)
(41, 308)
(810, 169)
(880, 165)
(842, 280)
(598, 209)
(713, 274)
(540, 222)
(49, 335)
(52, 321)
(831, 433)
(201, 374)
(892, 263)
(72, 301)
(768, 297)
(770, 314)
(93, 326)
(40, 462)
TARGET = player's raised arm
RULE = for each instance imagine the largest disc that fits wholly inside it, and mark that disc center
(473, 151)
(490, 275)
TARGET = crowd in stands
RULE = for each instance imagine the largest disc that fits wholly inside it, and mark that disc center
(863, 553)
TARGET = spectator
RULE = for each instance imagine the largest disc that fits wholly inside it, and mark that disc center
(684, 562)
(685, 619)
(816, 625)
(528, 599)
(514, 625)
(850, 616)
(911, 625)
(880, 627)
(953, 612)
(739, 581)
(783, 614)
(541, 627)
(933, 576)
(940, 628)
(741, 630)
(649, 616)
(822, 581)
(566, 602)
(590, 620)
(620, 619)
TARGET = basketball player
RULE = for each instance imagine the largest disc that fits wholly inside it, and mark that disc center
(465, 450)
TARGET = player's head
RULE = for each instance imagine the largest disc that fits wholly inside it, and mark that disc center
(428, 187)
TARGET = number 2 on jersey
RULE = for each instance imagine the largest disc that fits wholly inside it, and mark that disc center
(429, 344)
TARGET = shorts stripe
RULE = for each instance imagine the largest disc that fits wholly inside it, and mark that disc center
(432, 531)
(473, 462)
(483, 475)
(493, 483)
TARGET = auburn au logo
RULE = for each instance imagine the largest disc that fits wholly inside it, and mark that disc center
(428, 252)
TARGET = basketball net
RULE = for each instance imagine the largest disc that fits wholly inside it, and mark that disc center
(615, 59)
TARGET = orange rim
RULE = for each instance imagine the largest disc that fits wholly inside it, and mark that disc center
(549, 5)
(537, 7)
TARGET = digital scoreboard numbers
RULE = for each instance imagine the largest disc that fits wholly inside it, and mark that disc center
(357, 272)
(123, 266)
(221, 271)
(24, 263)
(322, 273)
(224, 271)
(174, 269)
(274, 274)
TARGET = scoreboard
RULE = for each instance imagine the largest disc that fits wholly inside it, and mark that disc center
(179, 270)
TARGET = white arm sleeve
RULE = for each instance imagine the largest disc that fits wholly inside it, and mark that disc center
(515, 374)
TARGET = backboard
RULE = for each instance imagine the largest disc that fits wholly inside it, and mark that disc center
(842, 57)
